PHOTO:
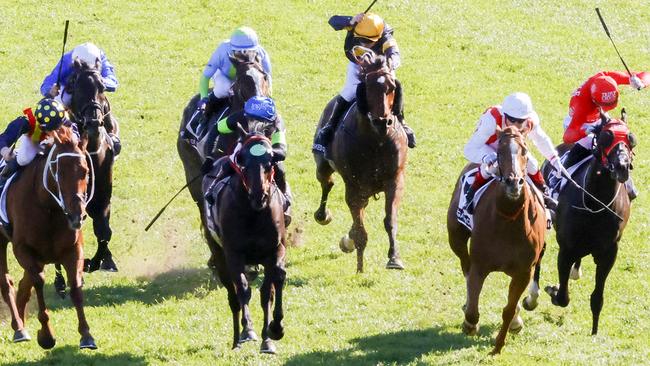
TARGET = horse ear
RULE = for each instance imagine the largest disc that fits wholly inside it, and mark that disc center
(242, 132)
(233, 59)
(604, 118)
(624, 115)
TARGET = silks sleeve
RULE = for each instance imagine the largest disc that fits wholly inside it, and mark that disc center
(204, 85)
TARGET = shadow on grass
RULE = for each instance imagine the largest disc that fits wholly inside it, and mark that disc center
(71, 355)
(398, 347)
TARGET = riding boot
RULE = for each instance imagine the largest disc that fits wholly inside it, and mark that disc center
(225, 170)
(410, 134)
(326, 133)
(577, 153)
(110, 124)
(7, 172)
(283, 186)
(479, 181)
(632, 192)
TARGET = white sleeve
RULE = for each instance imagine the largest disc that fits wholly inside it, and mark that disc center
(476, 148)
(541, 140)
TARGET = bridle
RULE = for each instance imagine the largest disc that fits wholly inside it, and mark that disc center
(241, 170)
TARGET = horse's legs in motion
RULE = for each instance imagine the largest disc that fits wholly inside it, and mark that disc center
(324, 175)
(560, 295)
(243, 291)
(35, 277)
(219, 269)
(604, 263)
(59, 281)
(518, 285)
(393, 197)
(475, 281)
(357, 233)
(576, 271)
(100, 212)
(530, 301)
(74, 269)
(272, 330)
(9, 295)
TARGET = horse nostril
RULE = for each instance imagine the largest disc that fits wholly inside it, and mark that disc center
(521, 181)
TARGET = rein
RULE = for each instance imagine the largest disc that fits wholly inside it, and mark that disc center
(584, 204)
(54, 173)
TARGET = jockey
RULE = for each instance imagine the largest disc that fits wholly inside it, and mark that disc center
(598, 92)
(260, 109)
(53, 87)
(369, 31)
(29, 130)
(517, 110)
(222, 72)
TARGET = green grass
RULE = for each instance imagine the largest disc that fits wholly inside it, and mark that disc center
(459, 57)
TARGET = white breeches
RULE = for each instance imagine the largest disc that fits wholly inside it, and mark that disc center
(349, 92)
(221, 85)
(26, 150)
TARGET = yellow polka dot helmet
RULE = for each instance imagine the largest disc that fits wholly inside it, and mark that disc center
(49, 114)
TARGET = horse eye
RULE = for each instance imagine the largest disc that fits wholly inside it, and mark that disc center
(631, 138)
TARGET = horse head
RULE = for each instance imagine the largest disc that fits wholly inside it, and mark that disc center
(65, 176)
(88, 103)
(614, 146)
(379, 88)
(254, 164)
(250, 78)
(512, 159)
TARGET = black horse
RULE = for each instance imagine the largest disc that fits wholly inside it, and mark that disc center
(583, 226)
(251, 80)
(89, 109)
(246, 226)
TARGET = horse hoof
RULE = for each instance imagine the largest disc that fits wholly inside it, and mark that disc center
(323, 219)
(87, 343)
(346, 244)
(529, 304)
(516, 325)
(91, 265)
(45, 341)
(469, 329)
(575, 274)
(247, 336)
(276, 330)
(108, 265)
(394, 263)
(21, 336)
(268, 347)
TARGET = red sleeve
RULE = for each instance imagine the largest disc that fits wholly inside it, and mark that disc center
(621, 78)
(581, 111)
(645, 77)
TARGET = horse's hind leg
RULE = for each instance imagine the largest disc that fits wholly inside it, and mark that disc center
(530, 302)
(9, 295)
(604, 264)
(324, 175)
(74, 269)
(59, 281)
(243, 293)
(518, 285)
(560, 294)
(274, 276)
(393, 198)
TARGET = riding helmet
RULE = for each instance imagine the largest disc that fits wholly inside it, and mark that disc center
(50, 114)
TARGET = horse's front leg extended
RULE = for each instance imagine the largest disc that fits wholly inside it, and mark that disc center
(45, 334)
(393, 198)
(243, 291)
(357, 236)
(530, 301)
(274, 276)
(560, 294)
(518, 285)
(324, 175)
(604, 264)
(74, 268)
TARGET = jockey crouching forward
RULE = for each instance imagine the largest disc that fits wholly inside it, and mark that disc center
(256, 109)
(517, 110)
(599, 92)
(55, 87)
(29, 130)
(368, 31)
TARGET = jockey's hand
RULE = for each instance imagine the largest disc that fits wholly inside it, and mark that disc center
(636, 83)
(560, 170)
(357, 18)
(54, 90)
(6, 153)
(202, 103)
(207, 166)
(588, 128)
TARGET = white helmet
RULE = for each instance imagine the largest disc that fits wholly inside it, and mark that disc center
(88, 53)
(518, 105)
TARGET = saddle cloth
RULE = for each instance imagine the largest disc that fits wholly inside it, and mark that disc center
(197, 133)
(557, 184)
(212, 211)
(4, 217)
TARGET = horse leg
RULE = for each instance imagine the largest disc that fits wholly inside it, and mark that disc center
(530, 302)
(475, 281)
(59, 281)
(276, 330)
(74, 268)
(576, 271)
(560, 294)
(518, 285)
(9, 295)
(357, 236)
(35, 272)
(393, 197)
(324, 175)
(243, 292)
(604, 264)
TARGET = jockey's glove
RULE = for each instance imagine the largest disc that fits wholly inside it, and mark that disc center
(636, 82)
(202, 103)
(559, 168)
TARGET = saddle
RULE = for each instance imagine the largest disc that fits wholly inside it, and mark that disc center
(197, 133)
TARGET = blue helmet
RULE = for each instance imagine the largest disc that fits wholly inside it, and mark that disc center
(50, 114)
(262, 108)
(244, 39)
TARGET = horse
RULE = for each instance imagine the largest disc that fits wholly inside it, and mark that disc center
(250, 80)
(507, 236)
(583, 226)
(247, 223)
(46, 207)
(369, 151)
(89, 107)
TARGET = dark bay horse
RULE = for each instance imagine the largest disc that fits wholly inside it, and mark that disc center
(248, 229)
(508, 234)
(46, 206)
(251, 80)
(369, 151)
(584, 226)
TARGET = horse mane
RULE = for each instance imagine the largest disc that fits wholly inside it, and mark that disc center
(62, 136)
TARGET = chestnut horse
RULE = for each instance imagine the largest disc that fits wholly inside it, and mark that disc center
(369, 151)
(250, 80)
(508, 234)
(46, 206)
(247, 223)
(584, 226)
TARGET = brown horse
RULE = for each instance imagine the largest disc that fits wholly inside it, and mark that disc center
(46, 206)
(250, 80)
(508, 234)
(584, 226)
(247, 220)
(369, 151)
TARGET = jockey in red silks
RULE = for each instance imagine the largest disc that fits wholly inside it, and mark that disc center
(517, 110)
(599, 92)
